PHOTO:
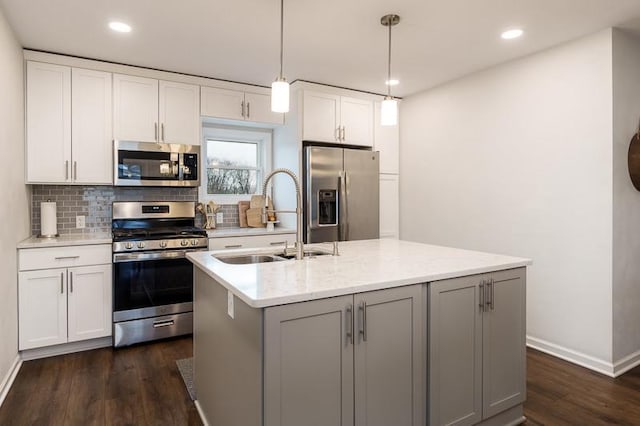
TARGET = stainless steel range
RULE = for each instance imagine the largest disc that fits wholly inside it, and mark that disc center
(152, 279)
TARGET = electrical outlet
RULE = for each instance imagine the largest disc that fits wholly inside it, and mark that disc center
(219, 217)
(80, 222)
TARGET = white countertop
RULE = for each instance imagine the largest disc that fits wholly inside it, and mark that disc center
(66, 240)
(246, 232)
(362, 266)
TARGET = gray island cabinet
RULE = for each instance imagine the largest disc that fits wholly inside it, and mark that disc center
(477, 349)
(388, 333)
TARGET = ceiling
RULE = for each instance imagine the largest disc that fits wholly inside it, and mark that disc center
(337, 42)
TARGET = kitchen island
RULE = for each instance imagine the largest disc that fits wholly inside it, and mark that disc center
(342, 340)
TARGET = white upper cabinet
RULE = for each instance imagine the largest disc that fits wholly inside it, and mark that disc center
(258, 108)
(48, 123)
(91, 126)
(356, 116)
(332, 118)
(222, 103)
(179, 111)
(149, 110)
(68, 125)
(320, 117)
(238, 105)
(135, 108)
(387, 141)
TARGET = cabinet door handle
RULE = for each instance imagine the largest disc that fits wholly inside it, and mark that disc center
(155, 130)
(75, 170)
(248, 109)
(337, 133)
(242, 108)
(162, 132)
(277, 243)
(487, 297)
(233, 246)
(344, 134)
(70, 282)
(66, 257)
(482, 296)
(61, 282)
(363, 323)
(349, 320)
(66, 170)
(493, 289)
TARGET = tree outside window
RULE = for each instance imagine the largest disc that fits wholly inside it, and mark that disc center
(232, 167)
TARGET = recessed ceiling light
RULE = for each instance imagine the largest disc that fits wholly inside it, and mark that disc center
(511, 34)
(120, 27)
(392, 82)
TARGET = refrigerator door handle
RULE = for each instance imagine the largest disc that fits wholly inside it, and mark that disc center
(342, 214)
(345, 222)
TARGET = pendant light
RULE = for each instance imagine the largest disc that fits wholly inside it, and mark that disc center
(280, 87)
(389, 109)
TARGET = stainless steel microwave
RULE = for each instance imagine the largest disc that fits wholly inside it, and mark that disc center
(155, 164)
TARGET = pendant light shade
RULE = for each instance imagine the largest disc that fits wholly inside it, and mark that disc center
(280, 87)
(389, 112)
(389, 109)
(280, 96)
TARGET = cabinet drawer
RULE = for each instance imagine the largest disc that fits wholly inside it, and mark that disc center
(63, 257)
(251, 242)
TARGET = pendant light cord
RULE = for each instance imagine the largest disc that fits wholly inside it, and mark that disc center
(388, 65)
(281, 34)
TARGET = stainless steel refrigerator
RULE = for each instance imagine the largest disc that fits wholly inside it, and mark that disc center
(341, 194)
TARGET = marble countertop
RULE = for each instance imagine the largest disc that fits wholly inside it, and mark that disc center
(66, 240)
(246, 232)
(362, 266)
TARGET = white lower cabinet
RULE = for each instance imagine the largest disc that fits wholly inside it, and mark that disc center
(63, 305)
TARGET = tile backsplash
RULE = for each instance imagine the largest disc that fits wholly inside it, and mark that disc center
(94, 202)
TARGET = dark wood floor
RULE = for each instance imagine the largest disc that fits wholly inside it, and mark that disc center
(141, 385)
(561, 393)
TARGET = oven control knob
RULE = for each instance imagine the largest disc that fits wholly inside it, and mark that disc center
(141, 244)
(194, 242)
(163, 244)
(128, 245)
(184, 243)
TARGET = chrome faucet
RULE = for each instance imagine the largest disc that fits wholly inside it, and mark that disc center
(297, 211)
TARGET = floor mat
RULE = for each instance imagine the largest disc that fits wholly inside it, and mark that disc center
(185, 366)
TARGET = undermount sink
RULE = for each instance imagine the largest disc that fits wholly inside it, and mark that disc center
(245, 259)
(307, 253)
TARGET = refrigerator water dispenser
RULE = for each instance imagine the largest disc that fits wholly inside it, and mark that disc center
(327, 207)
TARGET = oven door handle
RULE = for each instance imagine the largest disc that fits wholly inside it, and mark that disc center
(138, 257)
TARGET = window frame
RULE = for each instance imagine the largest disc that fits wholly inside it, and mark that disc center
(262, 137)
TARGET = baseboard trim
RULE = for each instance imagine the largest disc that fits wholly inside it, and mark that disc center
(200, 413)
(626, 364)
(572, 356)
(67, 348)
(8, 380)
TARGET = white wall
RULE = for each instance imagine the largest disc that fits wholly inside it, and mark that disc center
(517, 159)
(14, 213)
(626, 200)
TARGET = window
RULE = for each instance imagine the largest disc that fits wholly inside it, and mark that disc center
(232, 167)
(235, 162)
